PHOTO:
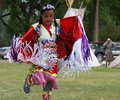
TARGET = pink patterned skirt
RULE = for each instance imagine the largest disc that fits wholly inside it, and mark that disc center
(42, 78)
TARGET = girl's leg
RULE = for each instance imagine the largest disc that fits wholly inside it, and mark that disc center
(109, 63)
(49, 95)
(47, 91)
(44, 95)
(26, 86)
(106, 63)
(29, 80)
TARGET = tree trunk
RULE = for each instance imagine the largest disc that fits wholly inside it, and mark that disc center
(56, 2)
(96, 21)
(1, 4)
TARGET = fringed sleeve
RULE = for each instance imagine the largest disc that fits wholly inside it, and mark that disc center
(18, 44)
(27, 50)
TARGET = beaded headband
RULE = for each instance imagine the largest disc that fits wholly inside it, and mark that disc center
(48, 7)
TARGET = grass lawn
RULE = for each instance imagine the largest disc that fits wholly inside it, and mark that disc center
(99, 84)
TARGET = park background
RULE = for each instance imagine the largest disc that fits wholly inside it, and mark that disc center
(101, 20)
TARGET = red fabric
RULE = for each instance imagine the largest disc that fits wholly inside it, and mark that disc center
(69, 32)
(29, 37)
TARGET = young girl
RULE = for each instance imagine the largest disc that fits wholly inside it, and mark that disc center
(48, 43)
(46, 37)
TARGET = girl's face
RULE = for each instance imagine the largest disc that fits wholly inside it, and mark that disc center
(47, 17)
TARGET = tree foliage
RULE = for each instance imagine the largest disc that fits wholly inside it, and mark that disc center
(109, 20)
(17, 16)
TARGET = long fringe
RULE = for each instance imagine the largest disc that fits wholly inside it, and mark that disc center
(13, 52)
(75, 63)
(23, 52)
(79, 59)
(38, 56)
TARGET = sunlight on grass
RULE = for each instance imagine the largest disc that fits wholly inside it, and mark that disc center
(99, 84)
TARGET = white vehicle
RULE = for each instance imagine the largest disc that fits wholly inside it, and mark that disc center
(4, 51)
(116, 51)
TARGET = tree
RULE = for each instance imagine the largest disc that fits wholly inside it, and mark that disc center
(24, 11)
(109, 20)
(1, 4)
(19, 15)
(96, 21)
(100, 22)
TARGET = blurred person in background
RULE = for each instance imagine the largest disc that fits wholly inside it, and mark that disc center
(109, 44)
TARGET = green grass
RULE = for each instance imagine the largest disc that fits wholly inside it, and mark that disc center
(99, 84)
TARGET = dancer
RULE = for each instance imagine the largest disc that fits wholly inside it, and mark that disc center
(50, 46)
